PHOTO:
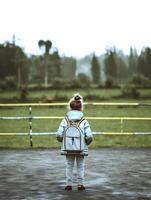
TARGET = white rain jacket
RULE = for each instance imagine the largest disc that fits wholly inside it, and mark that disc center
(74, 116)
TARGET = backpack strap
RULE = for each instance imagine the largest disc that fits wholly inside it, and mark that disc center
(79, 122)
(68, 122)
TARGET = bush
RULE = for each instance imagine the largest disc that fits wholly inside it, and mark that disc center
(45, 99)
(110, 83)
(130, 91)
(9, 83)
(83, 80)
(74, 84)
(140, 81)
(2, 84)
(59, 97)
(23, 94)
(92, 97)
(58, 83)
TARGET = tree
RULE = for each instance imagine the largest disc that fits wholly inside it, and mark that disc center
(55, 65)
(83, 80)
(122, 70)
(110, 63)
(21, 61)
(95, 70)
(132, 62)
(68, 68)
(144, 62)
(7, 65)
(13, 62)
(47, 44)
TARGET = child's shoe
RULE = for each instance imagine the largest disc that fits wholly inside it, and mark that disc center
(81, 187)
(68, 187)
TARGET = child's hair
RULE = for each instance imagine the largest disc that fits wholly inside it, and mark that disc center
(76, 102)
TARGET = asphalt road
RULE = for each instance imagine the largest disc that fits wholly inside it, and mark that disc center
(118, 174)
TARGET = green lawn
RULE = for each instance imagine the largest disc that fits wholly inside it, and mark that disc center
(20, 126)
(106, 94)
(96, 125)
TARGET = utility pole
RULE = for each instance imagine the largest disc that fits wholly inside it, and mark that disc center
(14, 40)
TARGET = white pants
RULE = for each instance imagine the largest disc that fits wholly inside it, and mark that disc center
(70, 159)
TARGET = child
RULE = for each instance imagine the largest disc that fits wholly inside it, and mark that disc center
(75, 116)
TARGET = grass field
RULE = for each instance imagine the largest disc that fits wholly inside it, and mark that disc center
(88, 93)
(89, 111)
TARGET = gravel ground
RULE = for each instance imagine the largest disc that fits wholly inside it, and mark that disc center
(118, 174)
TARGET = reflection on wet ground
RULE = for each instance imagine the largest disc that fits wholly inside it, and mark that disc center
(118, 174)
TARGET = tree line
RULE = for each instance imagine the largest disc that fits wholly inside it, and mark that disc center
(50, 69)
(120, 68)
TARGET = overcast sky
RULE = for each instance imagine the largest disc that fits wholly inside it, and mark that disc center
(77, 27)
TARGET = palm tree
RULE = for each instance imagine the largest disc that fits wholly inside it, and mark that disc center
(47, 44)
(41, 43)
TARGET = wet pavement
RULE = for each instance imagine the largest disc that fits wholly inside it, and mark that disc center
(118, 174)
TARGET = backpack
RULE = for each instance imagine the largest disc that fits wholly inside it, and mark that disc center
(73, 139)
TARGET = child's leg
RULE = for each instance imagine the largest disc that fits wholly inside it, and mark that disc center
(80, 169)
(69, 169)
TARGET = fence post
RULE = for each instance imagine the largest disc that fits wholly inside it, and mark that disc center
(30, 126)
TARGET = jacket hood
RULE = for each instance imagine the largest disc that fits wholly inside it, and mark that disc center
(74, 115)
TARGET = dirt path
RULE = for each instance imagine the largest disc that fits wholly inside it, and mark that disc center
(110, 174)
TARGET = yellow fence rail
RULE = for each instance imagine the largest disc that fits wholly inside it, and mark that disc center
(65, 104)
(30, 118)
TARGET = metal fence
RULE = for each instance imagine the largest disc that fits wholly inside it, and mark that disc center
(30, 117)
